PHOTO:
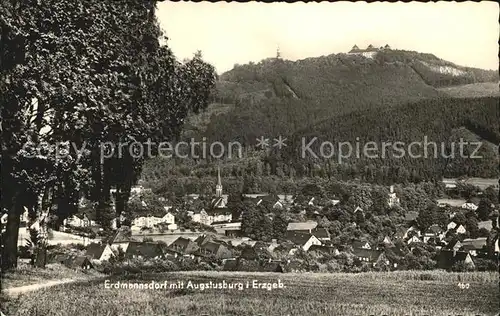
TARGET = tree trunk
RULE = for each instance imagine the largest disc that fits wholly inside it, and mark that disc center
(104, 212)
(41, 256)
(9, 251)
(122, 196)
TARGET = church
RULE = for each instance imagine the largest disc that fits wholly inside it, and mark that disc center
(217, 212)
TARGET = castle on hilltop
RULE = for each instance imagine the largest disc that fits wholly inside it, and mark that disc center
(369, 52)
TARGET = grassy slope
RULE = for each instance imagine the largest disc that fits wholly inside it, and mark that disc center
(482, 89)
(401, 293)
(27, 275)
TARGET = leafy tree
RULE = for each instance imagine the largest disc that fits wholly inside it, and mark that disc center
(459, 218)
(280, 225)
(71, 89)
(472, 227)
(379, 198)
(256, 224)
(235, 204)
(427, 217)
(484, 209)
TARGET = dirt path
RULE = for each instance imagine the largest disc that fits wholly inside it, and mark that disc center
(14, 291)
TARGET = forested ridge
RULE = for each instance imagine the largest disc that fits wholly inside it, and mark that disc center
(277, 96)
(343, 98)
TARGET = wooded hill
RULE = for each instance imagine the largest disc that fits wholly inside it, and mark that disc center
(278, 96)
(397, 96)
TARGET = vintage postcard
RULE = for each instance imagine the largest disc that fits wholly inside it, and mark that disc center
(277, 159)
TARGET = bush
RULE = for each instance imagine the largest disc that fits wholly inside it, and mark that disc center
(485, 264)
(461, 267)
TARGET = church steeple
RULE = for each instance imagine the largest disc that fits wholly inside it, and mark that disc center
(218, 187)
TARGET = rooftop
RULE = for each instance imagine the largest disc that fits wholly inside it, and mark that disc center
(302, 225)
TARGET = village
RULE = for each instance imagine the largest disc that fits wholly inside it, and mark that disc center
(217, 241)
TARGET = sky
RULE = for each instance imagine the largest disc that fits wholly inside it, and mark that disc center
(465, 33)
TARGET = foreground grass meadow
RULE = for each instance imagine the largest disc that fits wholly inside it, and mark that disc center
(397, 293)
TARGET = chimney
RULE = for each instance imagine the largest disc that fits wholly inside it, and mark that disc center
(274, 241)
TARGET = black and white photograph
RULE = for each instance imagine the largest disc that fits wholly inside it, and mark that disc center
(183, 158)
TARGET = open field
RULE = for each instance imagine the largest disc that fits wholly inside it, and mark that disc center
(56, 238)
(397, 293)
(482, 183)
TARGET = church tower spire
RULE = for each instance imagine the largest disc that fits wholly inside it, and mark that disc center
(218, 187)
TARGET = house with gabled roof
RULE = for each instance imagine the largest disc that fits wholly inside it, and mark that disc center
(78, 262)
(450, 202)
(334, 202)
(361, 244)
(321, 233)
(461, 229)
(387, 242)
(330, 250)
(99, 252)
(366, 255)
(302, 226)
(451, 225)
(433, 232)
(80, 220)
(120, 240)
(437, 241)
(257, 252)
(214, 215)
(184, 246)
(413, 230)
(203, 239)
(447, 259)
(213, 250)
(303, 240)
(413, 239)
(469, 206)
(435, 229)
(169, 217)
(144, 250)
(455, 245)
(475, 246)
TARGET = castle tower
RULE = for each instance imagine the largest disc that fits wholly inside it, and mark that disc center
(218, 187)
(393, 199)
